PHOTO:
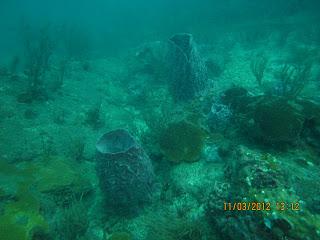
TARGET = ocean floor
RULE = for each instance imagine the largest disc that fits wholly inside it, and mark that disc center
(246, 145)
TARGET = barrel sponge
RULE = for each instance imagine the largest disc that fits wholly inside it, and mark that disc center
(124, 170)
(187, 70)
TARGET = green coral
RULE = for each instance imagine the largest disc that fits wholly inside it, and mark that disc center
(182, 141)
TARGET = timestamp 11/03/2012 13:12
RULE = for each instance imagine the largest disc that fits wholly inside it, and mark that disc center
(261, 206)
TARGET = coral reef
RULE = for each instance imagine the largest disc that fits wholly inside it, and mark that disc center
(251, 170)
(253, 177)
(110, 137)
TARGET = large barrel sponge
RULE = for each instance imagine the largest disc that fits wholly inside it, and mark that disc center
(125, 172)
(187, 71)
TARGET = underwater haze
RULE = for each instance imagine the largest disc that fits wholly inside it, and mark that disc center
(160, 120)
